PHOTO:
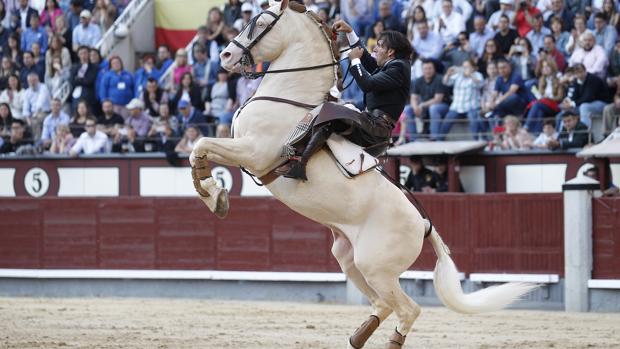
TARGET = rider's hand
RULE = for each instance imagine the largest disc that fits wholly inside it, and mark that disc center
(356, 52)
(342, 26)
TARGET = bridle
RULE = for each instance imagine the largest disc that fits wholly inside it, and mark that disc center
(247, 60)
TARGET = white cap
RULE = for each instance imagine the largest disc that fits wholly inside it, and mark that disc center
(135, 104)
(506, 2)
(247, 7)
(85, 14)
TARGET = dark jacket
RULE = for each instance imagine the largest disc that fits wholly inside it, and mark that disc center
(579, 137)
(16, 20)
(87, 83)
(386, 88)
(592, 89)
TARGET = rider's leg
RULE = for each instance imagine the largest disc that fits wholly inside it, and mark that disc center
(318, 139)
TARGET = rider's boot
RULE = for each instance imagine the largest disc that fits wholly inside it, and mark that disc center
(318, 139)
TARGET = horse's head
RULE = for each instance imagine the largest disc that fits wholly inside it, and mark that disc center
(245, 49)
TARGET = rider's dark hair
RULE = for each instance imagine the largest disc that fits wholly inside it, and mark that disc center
(398, 42)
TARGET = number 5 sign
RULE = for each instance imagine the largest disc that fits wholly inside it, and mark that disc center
(36, 182)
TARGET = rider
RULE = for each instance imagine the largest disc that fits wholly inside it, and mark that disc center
(385, 79)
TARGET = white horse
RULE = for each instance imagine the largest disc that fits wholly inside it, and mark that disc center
(378, 233)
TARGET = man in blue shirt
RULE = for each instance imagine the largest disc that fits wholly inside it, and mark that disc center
(188, 115)
(34, 34)
(51, 122)
(510, 94)
(429, 45)
(86, 34)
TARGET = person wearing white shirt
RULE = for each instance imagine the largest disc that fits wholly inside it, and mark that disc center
(463, 7)
(90, 142)
(450, 23)
(505, 8)
(36, 104)
(591, 55)
(85, 34)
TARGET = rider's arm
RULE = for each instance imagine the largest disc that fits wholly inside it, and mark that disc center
(367, 61)
(388, 79)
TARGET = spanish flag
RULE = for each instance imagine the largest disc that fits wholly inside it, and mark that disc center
(176, 21)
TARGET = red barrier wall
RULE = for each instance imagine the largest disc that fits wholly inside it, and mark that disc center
(486, 233)
(606, 235)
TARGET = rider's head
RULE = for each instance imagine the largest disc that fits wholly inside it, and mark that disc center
(392, 45)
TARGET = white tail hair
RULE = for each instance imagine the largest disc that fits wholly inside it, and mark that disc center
(449, 291)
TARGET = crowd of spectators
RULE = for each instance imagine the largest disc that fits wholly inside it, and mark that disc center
(523, 74)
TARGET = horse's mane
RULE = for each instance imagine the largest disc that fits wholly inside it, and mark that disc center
(297, 7)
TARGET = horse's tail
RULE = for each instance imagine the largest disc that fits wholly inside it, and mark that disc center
(449, 291)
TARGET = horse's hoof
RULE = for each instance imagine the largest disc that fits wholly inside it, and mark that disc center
(217, 201)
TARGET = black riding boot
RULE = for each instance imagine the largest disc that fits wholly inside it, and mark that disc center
(318, 139)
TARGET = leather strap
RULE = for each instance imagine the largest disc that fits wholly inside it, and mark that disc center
(283, 100)
(396, 340)
(361, 335)
(201, 170)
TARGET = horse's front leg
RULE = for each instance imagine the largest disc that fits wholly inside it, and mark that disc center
(225, 151)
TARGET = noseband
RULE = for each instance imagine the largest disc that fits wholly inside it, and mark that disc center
(247, 60)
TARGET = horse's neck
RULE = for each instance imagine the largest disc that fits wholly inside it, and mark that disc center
(308, 86)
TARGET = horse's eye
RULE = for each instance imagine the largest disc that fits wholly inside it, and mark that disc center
(261, 24)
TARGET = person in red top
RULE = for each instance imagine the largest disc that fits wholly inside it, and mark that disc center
(525, 17)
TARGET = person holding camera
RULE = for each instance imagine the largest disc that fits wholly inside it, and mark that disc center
(550, 51)
(458, 52)
(522, 58)
(525, 18)
(505, 36)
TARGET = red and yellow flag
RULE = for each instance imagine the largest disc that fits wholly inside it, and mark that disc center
(176, 21)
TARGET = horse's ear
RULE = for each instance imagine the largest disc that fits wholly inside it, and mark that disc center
(284, 5)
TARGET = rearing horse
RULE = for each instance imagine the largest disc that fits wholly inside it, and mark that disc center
(378, 233)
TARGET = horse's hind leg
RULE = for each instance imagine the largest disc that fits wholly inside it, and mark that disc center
(343, 251)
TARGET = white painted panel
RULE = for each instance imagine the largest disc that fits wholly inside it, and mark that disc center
(473, 179)
(166, 181)
(93, 181)
(7, 176)
(535, 178)
(249, 188)
(615, 174)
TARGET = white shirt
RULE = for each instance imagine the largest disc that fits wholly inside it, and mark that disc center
(453, 25)
(90, 145)
(36, 101)
(494, 19)
(463, 7)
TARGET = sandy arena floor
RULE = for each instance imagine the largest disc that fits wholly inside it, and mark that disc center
(170, 323)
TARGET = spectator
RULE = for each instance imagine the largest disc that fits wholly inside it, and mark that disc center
(103, 66)
(525, 18)
(6, 70)
(20, 18)
(29, 67)
(429, 45)
(450, 23)
(63, 32)
(56, 118)
(63, 141)
(415, 14)
(56, 49)
(505, 9)
(189, 91)
(36, 104)
(550, 51)
(505, 36)
(182, 66)
(490, 56)
(232, 12)
(333, 9)
(246, 88)
(374, 33)
(536, 36)
(37, 57)
(420, 179)
(246, 15)
(201, 40)
(591, 55)
(147, 71)
(163, 59)
(574, 133)
(549, 94)
(215, 28)
(50, 13)
(118, 86)
(13, 51)
(152, 97)
(190, 138)
(73, 17)
(34, 33)
(104, 14)
(614, 68)
(389, 19)
(17, 138)
(138, 119)
(83, 79)
(604, 33)
(610, 188)
(86, 34)
(510, 97)
(558, 10)
(548, 134)
(164, 119)
(14, 97)
(522, 58)
(6, 120)
(78, 122)
(4, 37)
(109, 122)
(515, 136)
(428, 100)
(586, 92)
(57, 75)
(357, 13)
(611, 11)
(480, 36)
(579, 28)
(92, 141)
(560, 36)
(458, 52)
(126, 141)
(441, 174)
(488, 88)
(188, 115)
(200, 68)
(466, 98)
(611, 115)
(220, 99)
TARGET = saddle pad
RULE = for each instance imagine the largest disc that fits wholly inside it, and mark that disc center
(351, 156)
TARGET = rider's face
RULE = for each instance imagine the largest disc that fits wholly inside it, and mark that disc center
(381, 53)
